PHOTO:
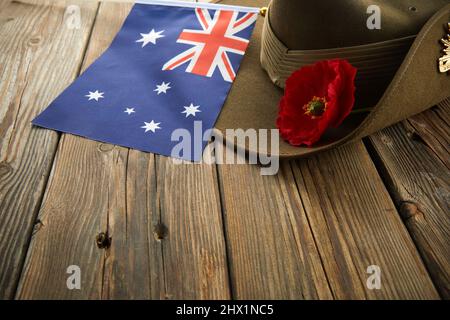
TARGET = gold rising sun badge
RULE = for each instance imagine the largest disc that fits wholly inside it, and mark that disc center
(444, 62)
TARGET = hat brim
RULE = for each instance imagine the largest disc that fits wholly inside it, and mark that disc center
(418, 85)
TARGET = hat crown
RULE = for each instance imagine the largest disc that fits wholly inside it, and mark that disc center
(324, 24)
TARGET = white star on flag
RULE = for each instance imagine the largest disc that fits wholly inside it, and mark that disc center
(129, 110)
(162, 88)
(151, 126)
(191, 110)
(152, 36)
(95, 95)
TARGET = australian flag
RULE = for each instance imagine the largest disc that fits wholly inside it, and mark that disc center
(170, 66)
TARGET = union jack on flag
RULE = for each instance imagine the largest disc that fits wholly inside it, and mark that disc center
(170, 67)
(212, 44)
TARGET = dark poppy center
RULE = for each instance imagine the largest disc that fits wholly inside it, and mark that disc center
(316, 107)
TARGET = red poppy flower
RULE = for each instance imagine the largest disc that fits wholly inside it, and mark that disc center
(316, 97)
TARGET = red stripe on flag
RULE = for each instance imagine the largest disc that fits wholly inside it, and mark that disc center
(228, 66)
(243, 19)
(181, 61)
(202, 18)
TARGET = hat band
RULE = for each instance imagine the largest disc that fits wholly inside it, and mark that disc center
(375, 62)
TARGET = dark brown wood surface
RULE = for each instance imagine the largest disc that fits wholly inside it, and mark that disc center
(39, 57)
(203, 231)
(413, 157)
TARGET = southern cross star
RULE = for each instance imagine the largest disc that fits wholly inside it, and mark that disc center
(95, 95)
(151, 126)
(191, 110)
(152, 36)
(162, 88)
(129, 110)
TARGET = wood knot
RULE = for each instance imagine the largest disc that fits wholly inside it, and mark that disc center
(105, 147)
(160, 231)
(414, 136)
(34, 41)
(409, 210)
(103, 240)
(386, 139)
(5, 168)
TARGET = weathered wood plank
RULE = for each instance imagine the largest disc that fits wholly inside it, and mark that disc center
(194, 250)
(433, 127)
(419, 183)
(39, 56)
(74, 210)
(167, 239)
(356, 225)
(318, 244)
(86, 179)
(270, 245)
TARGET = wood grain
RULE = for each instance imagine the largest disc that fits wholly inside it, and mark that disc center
(194, 251)
(433, 127)
(164, 220)
(356, 225)
(74, 210)
(85, 184)
(313, 230)
(134, 262)
(272, 254)
(413, 160)
(39, 56)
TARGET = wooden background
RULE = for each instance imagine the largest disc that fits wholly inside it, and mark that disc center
(203, 231)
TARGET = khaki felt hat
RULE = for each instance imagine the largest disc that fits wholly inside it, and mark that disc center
(398, 73)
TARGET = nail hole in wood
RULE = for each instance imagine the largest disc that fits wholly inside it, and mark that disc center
(413, 9)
